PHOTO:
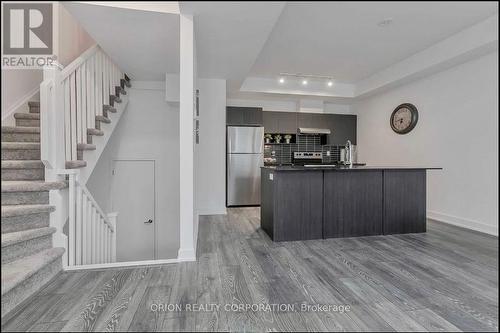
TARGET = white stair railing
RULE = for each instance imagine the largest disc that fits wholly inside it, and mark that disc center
(91, 232)
(70, 100)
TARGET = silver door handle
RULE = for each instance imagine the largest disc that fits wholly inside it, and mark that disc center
(148, 221)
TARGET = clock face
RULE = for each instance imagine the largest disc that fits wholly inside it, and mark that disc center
(404, 118)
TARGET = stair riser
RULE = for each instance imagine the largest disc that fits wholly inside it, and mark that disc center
(20, 154)
(28, 122)
(23, 174)
(89, 138)
(34, 109)
(25, 198)
(79, 155)
(26, 248)
(21, 137)
(25, 222)
(34, 283)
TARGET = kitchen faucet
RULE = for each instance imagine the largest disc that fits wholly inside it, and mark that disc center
(348, 153)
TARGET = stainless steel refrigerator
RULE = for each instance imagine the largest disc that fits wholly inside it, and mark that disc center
(245, 156)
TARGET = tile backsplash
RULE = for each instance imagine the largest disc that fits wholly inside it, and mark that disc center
(283, 152)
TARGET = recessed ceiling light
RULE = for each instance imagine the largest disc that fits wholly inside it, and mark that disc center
(385, 22)
(282, 80)
(330, 83)
(304, 82)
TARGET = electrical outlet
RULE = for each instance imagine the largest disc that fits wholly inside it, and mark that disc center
(328, 153)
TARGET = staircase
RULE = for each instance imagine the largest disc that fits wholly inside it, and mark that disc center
(28, 259)
(93, 85)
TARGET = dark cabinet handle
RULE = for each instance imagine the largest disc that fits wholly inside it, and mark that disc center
(149, 221)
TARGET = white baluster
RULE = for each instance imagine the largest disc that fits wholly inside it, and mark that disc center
(78, 232)
(67, 119)
(84, 233)
(93, 236)
(103, 227)
(72, 222)
(112, 219)
(88, 223)
(90, 91)
(84, 102)
(72, 83)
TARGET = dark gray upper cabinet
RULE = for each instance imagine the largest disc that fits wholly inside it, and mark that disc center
(248, 116)
(270, 121)
(305, 120)
(343, 128)
(280, 122)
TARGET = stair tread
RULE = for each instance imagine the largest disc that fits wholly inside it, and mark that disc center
(22, 164)
(19, 210)
(16, 272)
(103, 119)
(12, 238)
(86, 146)
(21, 145)
(20, 129)
(94, 131)
(31, 185)
(75, 164)
(34, 116)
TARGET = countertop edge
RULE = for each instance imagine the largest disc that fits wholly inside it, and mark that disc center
(354, 168)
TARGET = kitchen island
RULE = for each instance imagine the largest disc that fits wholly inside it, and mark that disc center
(300, 203)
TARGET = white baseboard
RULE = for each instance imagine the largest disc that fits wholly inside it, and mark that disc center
(125, 264)
(208, 211)
(186, 255)
(464, 223)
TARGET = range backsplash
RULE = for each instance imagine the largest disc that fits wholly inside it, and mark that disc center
(283, 152)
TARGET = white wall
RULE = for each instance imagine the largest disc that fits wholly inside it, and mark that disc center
(73, 39)
(210, 174)
(457, 130)
(19, 85)
(148, 130)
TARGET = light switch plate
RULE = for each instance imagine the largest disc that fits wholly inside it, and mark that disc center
(271, 176)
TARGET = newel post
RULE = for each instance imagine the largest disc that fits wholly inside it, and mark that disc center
(52, 122)
(112, 219)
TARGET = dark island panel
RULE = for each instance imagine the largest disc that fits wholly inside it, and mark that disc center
(404, 201)
(353, 204)
(267, 202)
(298, 206)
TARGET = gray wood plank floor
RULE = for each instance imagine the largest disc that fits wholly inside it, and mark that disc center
(443, 280)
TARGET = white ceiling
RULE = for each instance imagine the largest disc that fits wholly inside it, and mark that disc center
(343, 40)
(238, 41)
(230, 35)
(144, 43)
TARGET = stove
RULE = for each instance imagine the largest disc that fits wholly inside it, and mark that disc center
(307, 158)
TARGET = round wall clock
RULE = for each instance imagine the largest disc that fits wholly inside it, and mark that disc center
(404, 118)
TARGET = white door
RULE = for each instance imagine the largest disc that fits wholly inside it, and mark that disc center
(133, 197)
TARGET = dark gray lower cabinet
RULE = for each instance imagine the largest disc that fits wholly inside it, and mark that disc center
(404, 201)
(352, 203)
(293, 208)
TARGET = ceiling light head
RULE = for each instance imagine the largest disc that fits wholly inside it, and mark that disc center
(330, 83)
(385, 22)
(282, 80)
(304, 82)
